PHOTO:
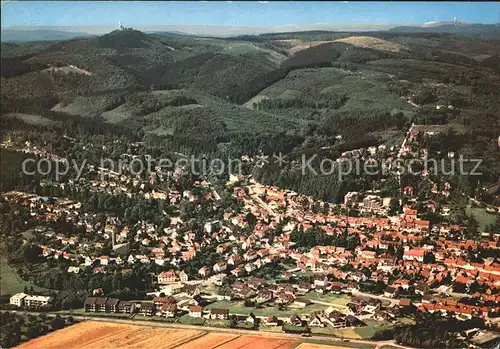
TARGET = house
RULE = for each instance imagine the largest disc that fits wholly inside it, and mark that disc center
(219, 314)
(426, 299)
(272, 321)
(125, 307)
(422, 288)
(335, 318)
(166, 277)
(251, 319)
(315, 321)
(159, 301)
(199, 300)
(296, 320)
(100, 304)
(104, 260)
(416, 254)
(37, 301)
(111, 305)
(218, 279)
(18, 299)
(285, 298)
(169, 309)
(172, 289)
(353, 321)
(303, 287)
(390, 292)
(220, 266)
(320, 280)
(147, 309)
(405, 302)
(372, 306)
(224, 294)
(190, 290)
(203, 271)
(265, 295)
(234, 260)
(195, 311)
(183, 276)
(89, 304)
(301, 302)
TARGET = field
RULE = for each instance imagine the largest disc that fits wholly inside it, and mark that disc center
(335, 300)
(10, 282)
(483, 218)
(238, 308)
(91, 335)
(249, 342)
(365, 90)
(317, 346)
(211, 340)
(373, 43)
(32, 119)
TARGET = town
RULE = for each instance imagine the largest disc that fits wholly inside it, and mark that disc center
(242, 254)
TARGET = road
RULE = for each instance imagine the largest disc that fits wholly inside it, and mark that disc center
(259, 201)
(376, 344)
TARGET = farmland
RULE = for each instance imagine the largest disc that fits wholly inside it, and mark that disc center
(90, 334)
(98, 335)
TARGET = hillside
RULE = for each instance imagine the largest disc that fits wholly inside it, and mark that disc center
(11, 35)
(482, 31)
(290, 92)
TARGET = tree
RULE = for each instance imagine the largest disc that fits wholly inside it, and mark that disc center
(472, 225)
(251, 219)
(393, 207)
(31, 254)
(33, 330)
(57, 323)
(429, 258)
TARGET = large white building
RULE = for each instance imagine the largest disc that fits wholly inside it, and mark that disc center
(18, 299)
(37, 301)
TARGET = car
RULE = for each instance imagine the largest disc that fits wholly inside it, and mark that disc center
(307, 334)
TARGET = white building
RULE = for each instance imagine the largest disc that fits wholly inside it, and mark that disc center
(37, 301)
(18, 299)
(351, 197)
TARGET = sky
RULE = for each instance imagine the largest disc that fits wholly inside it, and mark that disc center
(246, 14)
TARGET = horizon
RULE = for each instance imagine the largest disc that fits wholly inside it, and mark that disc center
(238, 17)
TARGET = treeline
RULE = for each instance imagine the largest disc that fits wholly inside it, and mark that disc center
(14, 66)
(17, 328)
(430, 331)
(318, 237)
(334, 102)
(147, 103)
(356, 124)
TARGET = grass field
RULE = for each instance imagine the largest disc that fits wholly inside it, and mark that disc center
(238, 308)
(365, 90)
(317, 344)
(484, 218)
(188, 320)
(32, 119)
(10, 282)
(339, 300)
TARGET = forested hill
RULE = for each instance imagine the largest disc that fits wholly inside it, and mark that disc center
(290, 92)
